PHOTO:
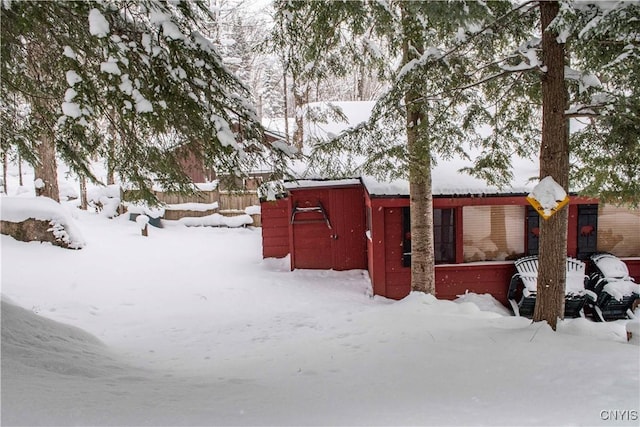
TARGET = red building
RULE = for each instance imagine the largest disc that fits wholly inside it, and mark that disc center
(363, 224)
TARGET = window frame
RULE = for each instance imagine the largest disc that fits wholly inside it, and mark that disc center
(444, 252)
(587, 231)
(532, 230)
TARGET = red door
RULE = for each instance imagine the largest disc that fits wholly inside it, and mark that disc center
(311, 229)
(349, 249)
(328, 228)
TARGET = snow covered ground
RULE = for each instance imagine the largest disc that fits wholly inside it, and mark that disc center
(189, 326)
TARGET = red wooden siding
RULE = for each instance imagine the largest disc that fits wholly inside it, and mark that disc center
(310, 235)
(275, 228)
(397, 277)
(388, 277)
(391, 279)
(375, 248)
(572, 231)
(385, 249)
(192, 165)
(316, 246)
(344, 246)
(481, 278)
(634, 267)
(349, 245)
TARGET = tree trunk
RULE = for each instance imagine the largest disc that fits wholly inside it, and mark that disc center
(299, 100)
(111, 155)
(421, 205)
(39, 66)
(419, 148)
(83, 193)
(5, 164)
(360, 85)
(554, 162)
(46, 170)
(20, 183)
(285, 89)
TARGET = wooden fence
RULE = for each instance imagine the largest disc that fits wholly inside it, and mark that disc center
(229, 203)
(206, 197)
(238, 200)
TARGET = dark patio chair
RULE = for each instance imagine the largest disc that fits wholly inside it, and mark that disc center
(615, 289)
(523, 287)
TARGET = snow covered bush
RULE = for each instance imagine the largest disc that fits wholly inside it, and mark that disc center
(39, 219)
(105, 200)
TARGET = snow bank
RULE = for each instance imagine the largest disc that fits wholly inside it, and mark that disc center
(18, 209)
(633, 331)
(217, 220)
(221, 336)
(49, 346)
(58, 374)
(142, 209)
(196, 207)
(429, 304)
(253, 210)
(484, 302)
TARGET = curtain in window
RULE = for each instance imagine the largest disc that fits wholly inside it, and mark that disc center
(493, 233)
(619, 230)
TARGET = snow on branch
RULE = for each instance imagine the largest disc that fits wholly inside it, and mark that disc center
(585, 80)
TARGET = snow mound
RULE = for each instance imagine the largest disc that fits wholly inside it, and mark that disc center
(142, 209)
(196, 207)
(277, 264)
(431, 305)
(18, 209)
(50, 347)
(217, 220)
(607, 331)
(253, 210)
(106, 199)
(484, 302)
(633, 331)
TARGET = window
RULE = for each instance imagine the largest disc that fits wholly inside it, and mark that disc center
(368, 224)
(406, 238)
(533, 230)
(444, 236)
(619, 230)
(492, 233)
(587, 230)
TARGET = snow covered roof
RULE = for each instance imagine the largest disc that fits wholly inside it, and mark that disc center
(447, 180)
(461, 185)
(313, 183)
